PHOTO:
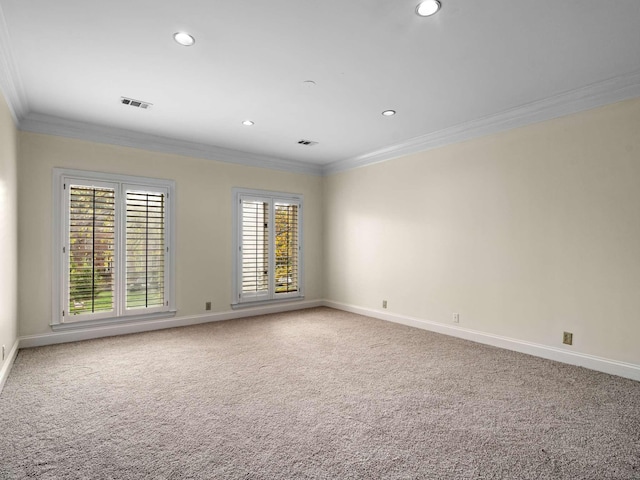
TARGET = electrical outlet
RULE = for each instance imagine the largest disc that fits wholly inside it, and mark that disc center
(384, 304)
(207, 306)
(456, 318)
(567, 338)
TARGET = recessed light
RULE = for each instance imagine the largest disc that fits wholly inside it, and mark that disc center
(247, 123)
(389, 113)
(184, 39)
(428, 8)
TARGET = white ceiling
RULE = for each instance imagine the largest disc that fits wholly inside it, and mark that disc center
(474, 68)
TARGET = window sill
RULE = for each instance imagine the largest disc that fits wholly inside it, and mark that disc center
(262, 303)
(58, 327)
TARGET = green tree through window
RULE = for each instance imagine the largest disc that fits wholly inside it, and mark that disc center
(91, 249)
(286, 252)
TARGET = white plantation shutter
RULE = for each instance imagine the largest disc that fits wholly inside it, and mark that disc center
(254, 248)
(286, 247)
(91, 244)
(145, 249)
(268, 263)
(114, 235)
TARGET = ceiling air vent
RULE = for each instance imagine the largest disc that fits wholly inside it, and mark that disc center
(135, 103)
(308, 143)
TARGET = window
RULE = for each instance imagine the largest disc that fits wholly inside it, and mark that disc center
(113, 255)
(268, 246)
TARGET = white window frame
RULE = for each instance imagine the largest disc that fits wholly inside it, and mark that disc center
(63, 178)
(238, 301)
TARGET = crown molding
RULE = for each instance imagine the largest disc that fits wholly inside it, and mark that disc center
(14, 93)
(591, 96)
(50, 125)
(574, 101)
(10, 83)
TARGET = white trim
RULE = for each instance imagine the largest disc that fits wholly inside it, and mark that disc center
(29, 341)
(10, 83)
(49, 125)
(8, 363)
(592, 362)
(595, 95)
(577, 100)
(101, 322)
(244, 305)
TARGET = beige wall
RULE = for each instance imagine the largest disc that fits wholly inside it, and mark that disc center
(526, 233)
(8, 229)
(204, 257)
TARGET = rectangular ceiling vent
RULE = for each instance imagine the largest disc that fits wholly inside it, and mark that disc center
(135, 103)
(308, 143)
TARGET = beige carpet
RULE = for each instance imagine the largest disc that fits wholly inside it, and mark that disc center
(312, 394)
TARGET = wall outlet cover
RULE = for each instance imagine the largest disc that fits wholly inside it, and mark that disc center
(567, 338)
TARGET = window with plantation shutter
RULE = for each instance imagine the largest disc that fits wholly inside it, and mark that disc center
(268, 246)
(113, 239)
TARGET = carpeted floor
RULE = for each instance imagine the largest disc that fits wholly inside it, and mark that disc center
(312, 394)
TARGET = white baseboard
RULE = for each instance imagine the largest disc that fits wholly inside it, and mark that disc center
(614, 367)
(29, 341)
(592, 362)
(8, 363)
